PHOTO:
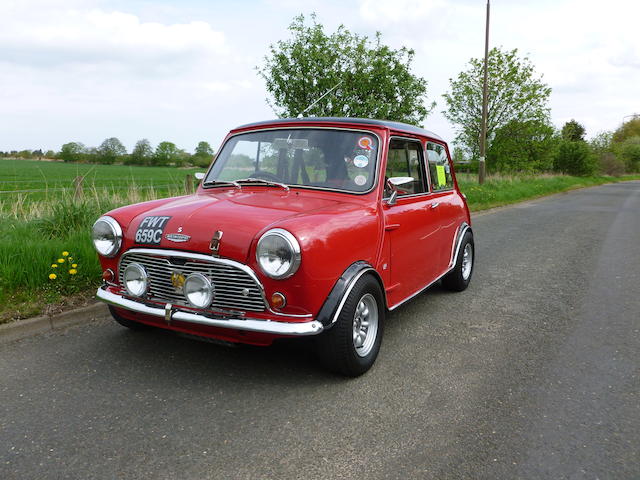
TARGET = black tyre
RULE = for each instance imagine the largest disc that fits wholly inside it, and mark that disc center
(351, 345)
(125, 322)
(458, 279)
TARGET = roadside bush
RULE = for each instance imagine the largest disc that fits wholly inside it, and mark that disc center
(575, 158)
(629, 152)
(201, 161)
(611, 165)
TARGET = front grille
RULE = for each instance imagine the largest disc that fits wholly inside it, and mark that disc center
(235, 289)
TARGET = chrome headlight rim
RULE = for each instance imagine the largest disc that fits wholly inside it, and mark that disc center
(294, 246)
(210, 289)
(117, 233)
(143, 277)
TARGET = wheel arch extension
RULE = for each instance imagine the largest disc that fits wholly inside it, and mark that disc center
(337, 297)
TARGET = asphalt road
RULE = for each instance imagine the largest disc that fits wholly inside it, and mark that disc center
(533, 372)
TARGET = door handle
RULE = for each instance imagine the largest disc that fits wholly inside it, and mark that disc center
(435, 205)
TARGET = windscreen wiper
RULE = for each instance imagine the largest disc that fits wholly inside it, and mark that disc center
(211, 183)
(262, 180)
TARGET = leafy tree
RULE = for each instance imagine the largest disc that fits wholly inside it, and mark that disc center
(50, 154)
(368, 79)
(629, 152)
(515, 94)
(627, 130)
(601, 142)
(110, 150)
(573, 131)
(142, 153)
(575, 158)
(72, 152)
(523, 147)
(204, 155)
(166, 153)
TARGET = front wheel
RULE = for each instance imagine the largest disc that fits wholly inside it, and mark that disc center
(458, 279)
(351, 345)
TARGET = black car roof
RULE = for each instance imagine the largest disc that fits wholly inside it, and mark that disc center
(405, 127)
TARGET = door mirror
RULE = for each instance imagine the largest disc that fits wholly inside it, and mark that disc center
(199, 175)
(393, 199)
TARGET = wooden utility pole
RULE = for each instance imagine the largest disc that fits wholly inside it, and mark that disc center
(483, 133)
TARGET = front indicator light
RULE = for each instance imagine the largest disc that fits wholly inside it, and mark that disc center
(278, 300)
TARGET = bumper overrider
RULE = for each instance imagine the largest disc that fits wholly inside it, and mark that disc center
(170, 313)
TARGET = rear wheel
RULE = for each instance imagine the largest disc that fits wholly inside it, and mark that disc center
(125, 322)
(351, 345)
(459, 278)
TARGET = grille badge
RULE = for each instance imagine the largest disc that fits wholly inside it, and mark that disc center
(177, 237)
(177, 280)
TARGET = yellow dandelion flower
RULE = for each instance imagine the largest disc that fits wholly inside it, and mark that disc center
(61, 260)
(75, 265)
(65, 254)
(52, 276)
(54, 265)
(73, 271)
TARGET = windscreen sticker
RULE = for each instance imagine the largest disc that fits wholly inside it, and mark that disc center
(365, 143)
(360, 180)
(150, 230)
(360, 161)
(442, 179)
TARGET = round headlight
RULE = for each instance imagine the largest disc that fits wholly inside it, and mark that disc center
(107, 236)
(135, 280)
(278, 254)
(198, 290)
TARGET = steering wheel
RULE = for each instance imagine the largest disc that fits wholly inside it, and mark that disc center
(265, 176)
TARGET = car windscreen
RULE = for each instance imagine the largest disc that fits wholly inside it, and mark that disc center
(320, 158)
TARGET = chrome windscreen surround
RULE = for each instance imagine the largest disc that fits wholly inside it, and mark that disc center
(236, 286)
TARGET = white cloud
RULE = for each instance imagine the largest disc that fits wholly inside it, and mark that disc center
(95, 36)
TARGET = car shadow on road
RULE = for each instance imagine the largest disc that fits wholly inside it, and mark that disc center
(284, 362)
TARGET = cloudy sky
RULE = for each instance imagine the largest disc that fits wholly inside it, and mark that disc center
(184, 71)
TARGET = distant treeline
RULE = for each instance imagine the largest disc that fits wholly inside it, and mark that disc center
(113, 151)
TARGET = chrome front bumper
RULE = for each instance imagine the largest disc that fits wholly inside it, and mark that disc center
(248, 324)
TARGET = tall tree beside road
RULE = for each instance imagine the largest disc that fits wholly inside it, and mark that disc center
(110, 150)
(363, 77)
(516, 94)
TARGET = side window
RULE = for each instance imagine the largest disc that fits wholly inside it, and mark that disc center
(439, 167)
(404, 166)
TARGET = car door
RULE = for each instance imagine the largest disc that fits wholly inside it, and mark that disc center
(411, 223)
(446, 198)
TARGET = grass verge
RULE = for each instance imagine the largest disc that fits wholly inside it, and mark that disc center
(504, 190)
(34, 234)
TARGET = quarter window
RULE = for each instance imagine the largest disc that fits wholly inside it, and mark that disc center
(439, 167)
(404, 166)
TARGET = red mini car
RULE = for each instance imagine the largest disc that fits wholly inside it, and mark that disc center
(301, 227)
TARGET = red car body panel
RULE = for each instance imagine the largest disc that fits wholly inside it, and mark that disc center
(409, 244)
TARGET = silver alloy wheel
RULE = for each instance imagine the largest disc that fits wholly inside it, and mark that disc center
(365, 325)
(467, 261)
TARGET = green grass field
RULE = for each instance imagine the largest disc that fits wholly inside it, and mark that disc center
(40, 219)
(31, 180)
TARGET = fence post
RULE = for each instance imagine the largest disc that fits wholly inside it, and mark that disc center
(188, 183)
(77, 182)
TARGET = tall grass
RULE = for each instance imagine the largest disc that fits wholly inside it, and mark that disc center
(34, 233)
